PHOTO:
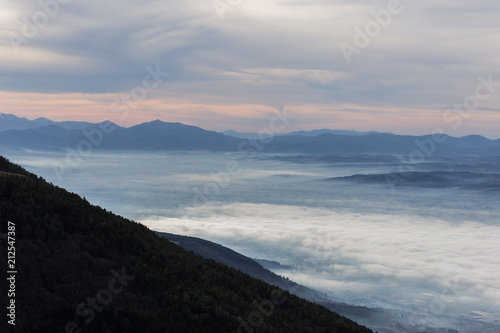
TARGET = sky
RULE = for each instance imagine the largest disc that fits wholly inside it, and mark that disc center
(407, 67)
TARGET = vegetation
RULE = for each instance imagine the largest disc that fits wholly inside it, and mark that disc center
(69, 254)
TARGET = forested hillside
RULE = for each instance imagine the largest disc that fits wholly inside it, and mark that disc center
(81, 268)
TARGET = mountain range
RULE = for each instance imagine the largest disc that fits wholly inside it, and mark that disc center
(10, 121)
(43, 134)
(247, 135)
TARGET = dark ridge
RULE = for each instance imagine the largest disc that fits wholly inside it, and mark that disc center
(69, 254)
(210, 250)
(231, 258)
(430, 179)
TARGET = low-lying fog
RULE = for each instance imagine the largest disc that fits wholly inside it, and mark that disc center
(430, 253)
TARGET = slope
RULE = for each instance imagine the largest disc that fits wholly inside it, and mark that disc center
(209, 250)
(83, 269)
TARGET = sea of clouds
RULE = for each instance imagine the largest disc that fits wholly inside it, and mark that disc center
(398, 260)
(428, 253)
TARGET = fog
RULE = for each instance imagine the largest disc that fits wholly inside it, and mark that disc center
(430, 254)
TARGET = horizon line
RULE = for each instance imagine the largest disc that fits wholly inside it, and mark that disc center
(250, 133)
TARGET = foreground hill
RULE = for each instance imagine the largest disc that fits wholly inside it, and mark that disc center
(228, 257)
(81, 268)
(381, 319)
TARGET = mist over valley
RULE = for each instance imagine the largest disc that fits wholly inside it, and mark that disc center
(334, 223)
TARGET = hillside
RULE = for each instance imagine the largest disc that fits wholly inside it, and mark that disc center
(228, 257)
(384, 320)
(81, 268)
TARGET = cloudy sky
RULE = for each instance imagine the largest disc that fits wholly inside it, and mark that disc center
(334, 64)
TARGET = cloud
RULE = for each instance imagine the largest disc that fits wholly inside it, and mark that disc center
(262, 53)
(430, 251)
(397, 258)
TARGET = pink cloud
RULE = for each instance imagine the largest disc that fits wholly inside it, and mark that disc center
(241, 117)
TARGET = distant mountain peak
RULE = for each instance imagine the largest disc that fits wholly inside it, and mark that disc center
(158, 121)
(41, 118)
(160, 135)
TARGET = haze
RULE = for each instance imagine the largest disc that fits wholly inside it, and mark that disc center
(430, 253)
